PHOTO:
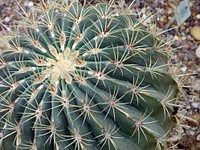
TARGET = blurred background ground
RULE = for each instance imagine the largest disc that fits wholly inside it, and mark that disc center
(186, 57)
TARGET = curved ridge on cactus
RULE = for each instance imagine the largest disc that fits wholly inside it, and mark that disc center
(81, 78)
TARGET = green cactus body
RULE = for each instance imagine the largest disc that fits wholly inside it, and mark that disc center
(86, 79)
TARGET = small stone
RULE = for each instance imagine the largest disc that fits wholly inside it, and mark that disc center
(198, 51)
(187, 30)
(28, 4)
(161, 19)
(169, 17)
(195, 32)
(182, 28)
(184, 69)
(195, 105)
(176, 37)
(169, 11)
(196, 85)
(192, 132)
(198, 137)
(184, 38)
(198, 16)
(7, 19)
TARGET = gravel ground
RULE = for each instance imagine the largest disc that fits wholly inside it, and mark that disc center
(186, 57)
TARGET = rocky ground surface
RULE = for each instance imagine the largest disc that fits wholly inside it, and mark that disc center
(186, 56)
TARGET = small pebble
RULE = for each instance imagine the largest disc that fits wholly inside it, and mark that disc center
(169, 11)
(184, 69)
(195, 105)
(176, 37)
(196, 85)
(198, 51)
(198, 137)
(198, 16)
(28, 4)
(7, 19)
(182, 27)
(195, 32)
(192, 132)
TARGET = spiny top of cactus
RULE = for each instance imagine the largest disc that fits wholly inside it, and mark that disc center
(85, 77)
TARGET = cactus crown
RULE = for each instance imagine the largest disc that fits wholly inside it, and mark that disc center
(85, 77)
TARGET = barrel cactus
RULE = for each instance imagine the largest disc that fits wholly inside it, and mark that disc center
(85, 77)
